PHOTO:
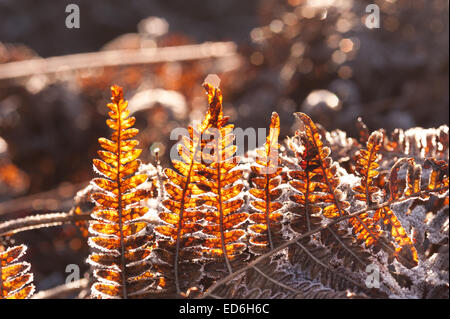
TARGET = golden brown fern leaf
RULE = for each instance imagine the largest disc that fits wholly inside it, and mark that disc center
(366, 165)
(316, 183)
(220, 178)
(305, 186)
(181, 216)
(315, 193)
(15, 278)
(439, 179)
(265, 230)
(405, 247)
(438, 185)
(118, 233)
(320, 165)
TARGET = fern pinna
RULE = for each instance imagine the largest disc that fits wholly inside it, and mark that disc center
(181, 249)
(321, 173)
(222, 180)
(364, 226)
(118, 233)
(316, 195)
(304, 183)
(200, 213)
(265, 230)
(15, 278)
(314, 183)
(405, 249)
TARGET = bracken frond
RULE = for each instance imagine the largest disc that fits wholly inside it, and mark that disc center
(222, 181)
(405, 247)
(304, 182)
(180, 248)
(438, 185)
(267, 281)
(265, 230)
(367, 164)
(320, 166)
(439, 179)
(316, 194)
(15, 278)
(118, 234)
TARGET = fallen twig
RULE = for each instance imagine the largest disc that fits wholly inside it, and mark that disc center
(116, 58)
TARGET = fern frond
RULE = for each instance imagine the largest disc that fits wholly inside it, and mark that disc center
(385, 214)
(438, 184)
(223, 181)
(265, 230)
(15, 278)
(118, 233)
(406, 247)
(317, 262)
(305, 181)
(367, 164)
(181, 217)
(316, 194)
(439, 178)
(267, 281)
(322, 168)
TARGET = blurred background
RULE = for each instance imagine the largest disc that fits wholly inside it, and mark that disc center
(314, 56)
